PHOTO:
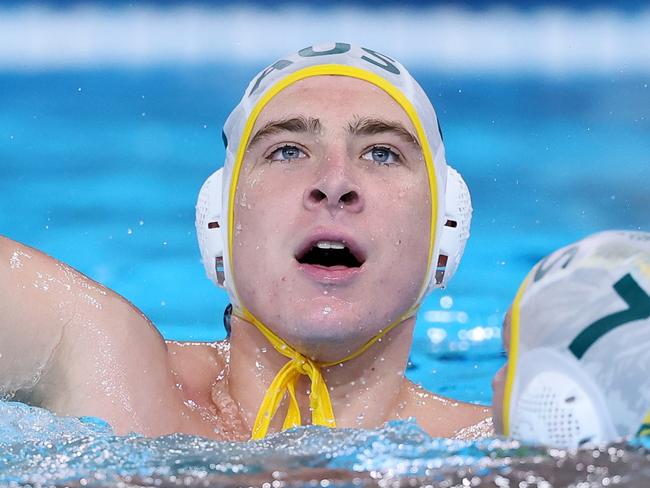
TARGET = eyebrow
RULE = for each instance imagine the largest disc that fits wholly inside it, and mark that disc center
(366, 126)
(293, 124)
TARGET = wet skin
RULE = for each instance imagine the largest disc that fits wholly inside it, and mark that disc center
(357, 175)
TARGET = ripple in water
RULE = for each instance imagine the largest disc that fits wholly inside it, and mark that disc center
(38, 448)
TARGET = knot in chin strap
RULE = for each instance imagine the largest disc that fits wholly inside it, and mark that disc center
(302, 366)
(285, 381)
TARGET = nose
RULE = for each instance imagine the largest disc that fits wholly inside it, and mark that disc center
(334, 190)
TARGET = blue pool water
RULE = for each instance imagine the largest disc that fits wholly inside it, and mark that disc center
(40, 449)
(100, 167)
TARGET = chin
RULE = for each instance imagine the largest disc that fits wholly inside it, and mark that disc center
(332, 336)
(322, 330)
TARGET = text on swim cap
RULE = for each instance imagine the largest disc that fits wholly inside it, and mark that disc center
(561, 261)
(638, 303)
(375, 58)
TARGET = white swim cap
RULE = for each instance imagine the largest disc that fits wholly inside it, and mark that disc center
(451, 206)
(579, 341)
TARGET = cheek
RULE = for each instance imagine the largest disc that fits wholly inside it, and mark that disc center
(409, 208)
(252, 227)
(265, 206)
(261, 202)
(404, 219)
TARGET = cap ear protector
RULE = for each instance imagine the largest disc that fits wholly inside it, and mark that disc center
(209, 227)
(455, 230)
(558, 405)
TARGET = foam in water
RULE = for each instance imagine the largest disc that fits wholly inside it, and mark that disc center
(41, 449)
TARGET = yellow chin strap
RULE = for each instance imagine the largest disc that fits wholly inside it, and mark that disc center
(286, 379)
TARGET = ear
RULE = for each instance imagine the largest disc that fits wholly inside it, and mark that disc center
(455, 230)
(209, 228)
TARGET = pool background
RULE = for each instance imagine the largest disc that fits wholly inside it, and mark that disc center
(102, 153)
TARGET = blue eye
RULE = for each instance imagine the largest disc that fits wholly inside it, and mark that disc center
(286, 153)
(381, 155)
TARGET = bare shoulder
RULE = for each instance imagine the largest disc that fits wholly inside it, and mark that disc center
(445, 417)
(86, 349)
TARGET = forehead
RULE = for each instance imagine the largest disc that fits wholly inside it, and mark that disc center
(333, 98)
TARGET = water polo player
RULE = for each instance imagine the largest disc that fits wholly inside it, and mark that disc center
(578, 335)
(333, 216)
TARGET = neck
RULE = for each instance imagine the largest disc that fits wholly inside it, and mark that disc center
(365, 391)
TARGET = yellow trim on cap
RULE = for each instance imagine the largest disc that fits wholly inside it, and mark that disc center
(513, 354)
(353, 72)
(284, 381)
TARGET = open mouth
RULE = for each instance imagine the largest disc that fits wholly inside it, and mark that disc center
(330, 254)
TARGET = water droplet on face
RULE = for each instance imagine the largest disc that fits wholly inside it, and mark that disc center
(325, 292)
(327, 310)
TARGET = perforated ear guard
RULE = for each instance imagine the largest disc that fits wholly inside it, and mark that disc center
(455, 228)
(456, 220)
(556, 403)
(209, 230)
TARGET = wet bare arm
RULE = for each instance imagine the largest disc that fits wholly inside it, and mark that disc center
(72, 346)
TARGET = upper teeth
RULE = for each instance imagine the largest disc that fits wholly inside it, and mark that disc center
(330, 245)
